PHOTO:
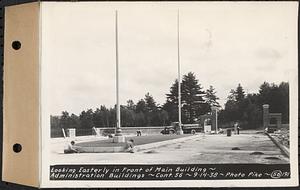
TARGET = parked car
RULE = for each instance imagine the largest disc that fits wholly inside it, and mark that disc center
(270, 130)
(168, 130)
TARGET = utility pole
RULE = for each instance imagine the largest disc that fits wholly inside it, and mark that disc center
(118, 135)
(179, 77)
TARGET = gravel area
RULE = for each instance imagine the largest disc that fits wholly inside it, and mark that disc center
(282, 136)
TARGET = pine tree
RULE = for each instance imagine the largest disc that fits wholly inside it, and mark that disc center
(237, 105)
(240, 93)
(151, 110)
(141, 106)
(173, 95)
(150, 103)
(130, 105)
(211, 98)
(171, 105)
(231, 96)
(193, 104)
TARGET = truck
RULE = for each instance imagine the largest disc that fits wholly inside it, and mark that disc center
(187, 128)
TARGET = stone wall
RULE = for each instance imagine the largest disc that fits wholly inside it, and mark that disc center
(106, 131)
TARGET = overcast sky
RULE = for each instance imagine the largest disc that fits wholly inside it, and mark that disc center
(222, 43)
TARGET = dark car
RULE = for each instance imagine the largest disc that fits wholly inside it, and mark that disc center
(270, 129)
(168, 130)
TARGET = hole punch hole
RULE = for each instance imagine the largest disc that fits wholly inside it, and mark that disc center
(16, 45)
(17, 148)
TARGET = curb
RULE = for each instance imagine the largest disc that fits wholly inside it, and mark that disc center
(138, 148)
(162, 143)
(101, 149)
(283, 149)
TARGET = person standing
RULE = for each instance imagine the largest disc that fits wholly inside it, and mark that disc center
(236, 127)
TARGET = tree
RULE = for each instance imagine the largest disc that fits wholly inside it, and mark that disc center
(173, 95)
(112, 117)
(239, 93)
(86, 119)
(101, 117)
(130, 105)
(284, 94)
(55, 126)
(106, 115)
(140, 120)
(164, 117)
(252, 112)
(150, 103)
(65, 120)
(231, 108)
(264, 91)
(98, 118)
(141, 106)
(277, 96)
(74, 120)
(211, 98)
(151, 110)
(235, 105)
(231, 95)
(193, 104)
(171, 105)
(127, 117)
(248, 108)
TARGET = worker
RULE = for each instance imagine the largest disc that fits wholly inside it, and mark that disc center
(70, 148)
(130, 146)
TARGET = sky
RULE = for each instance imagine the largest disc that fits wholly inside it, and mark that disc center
(224, 44)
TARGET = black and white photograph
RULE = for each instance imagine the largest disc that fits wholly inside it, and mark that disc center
(169, 91)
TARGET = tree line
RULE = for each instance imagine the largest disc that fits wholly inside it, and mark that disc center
(196, 101)
(247, 108)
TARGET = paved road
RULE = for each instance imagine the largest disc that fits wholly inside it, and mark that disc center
(204, 149)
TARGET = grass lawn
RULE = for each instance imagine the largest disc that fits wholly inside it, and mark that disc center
(138, 140)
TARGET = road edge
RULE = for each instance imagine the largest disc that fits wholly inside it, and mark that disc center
(283, 149)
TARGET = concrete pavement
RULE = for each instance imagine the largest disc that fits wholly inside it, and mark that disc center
(205, 149)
